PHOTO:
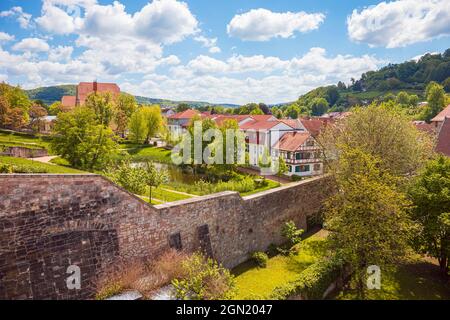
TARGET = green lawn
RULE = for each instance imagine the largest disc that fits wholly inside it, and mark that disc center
(258, 283)
(271, 184)
(23, 140)
(416, 279)
(30, 166)
(166, 195)
(148, 153)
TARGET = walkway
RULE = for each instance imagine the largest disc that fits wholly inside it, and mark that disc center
(44, 159)
(281, 179)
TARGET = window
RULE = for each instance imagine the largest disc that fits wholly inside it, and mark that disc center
(302, 168)
(310, 143)
(289, 168)
(317, 167)
(175, 241)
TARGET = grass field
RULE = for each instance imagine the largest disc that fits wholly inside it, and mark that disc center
(30, 166)
(147, 153)
(23, 140)
(415, 279)
(258, 283)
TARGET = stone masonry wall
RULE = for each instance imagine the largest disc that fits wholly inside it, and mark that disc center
(49, 222)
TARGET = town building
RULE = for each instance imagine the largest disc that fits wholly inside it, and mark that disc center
(178, 122)
(84, 89)
(443, 137)
(301, 153)
(439, 119)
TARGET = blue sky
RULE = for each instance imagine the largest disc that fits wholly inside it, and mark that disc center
(218, 51)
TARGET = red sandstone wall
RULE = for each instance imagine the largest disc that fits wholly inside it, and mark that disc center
(48, 222)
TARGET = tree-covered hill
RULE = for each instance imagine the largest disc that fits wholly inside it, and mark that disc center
(48, 95)
(411, 77)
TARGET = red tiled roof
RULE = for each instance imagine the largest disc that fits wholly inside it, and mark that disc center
(443, 141)
(425, 127)
(261, 117)
(187, 114)
(313, 126)
(68, 101)
(86, 88)
(293, 123)
(292, 141)
(259, 125)
(442, 115)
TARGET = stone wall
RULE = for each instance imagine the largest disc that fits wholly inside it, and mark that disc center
(49, 222)
(23, 152)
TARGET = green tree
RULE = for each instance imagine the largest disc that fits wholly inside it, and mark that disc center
(125, 106)
(257, 111)
(132, 178)
(367, 216)
(81, 140)
(282, 167)
(430, 194)
(435, 95)
(204, 279)
(292, 111)
(138, 127)
(402, 99)
(153, 120)
(154, 177)
(382, 131)
(319, 106)
(446, 85)
(103, 106)
(182, 107)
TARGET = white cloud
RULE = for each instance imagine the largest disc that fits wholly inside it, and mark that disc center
(165, 21)
(214, 50)
(22, 17)
(400, 23)
(4, 37)
(3, 77)
(262, 24)
(60, 53)
(56, 20)
(31, 45)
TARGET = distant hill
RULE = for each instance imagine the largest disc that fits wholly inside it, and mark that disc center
(52, 94)
(411, 76)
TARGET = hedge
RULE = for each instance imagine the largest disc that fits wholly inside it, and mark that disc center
(312, 282)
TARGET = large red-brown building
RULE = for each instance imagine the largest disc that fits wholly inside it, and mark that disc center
(84, 89)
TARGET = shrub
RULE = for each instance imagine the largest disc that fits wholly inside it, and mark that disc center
(260, 258)
(312, 282)
(109, 290)
(290, 231)
(130, 178)
(6, 168)
(204, 279)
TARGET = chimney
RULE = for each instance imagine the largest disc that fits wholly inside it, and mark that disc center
(95, 86)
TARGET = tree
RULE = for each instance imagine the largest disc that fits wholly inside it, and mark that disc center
(402, 99)
(257, 111)
(103, 106)
(154, 177)
(264, 108)
(153, 120)
(435, 95)
(81, 140)
(281, 166)
(57, 107)
(382, 131)
(36, 113)
(319, 106)
(125, 106)
(431, 198)
(182, 107)
(292, 111)
(446, 85)
(138, 127)
(132, 178)
(367, 216)
(14, 106)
